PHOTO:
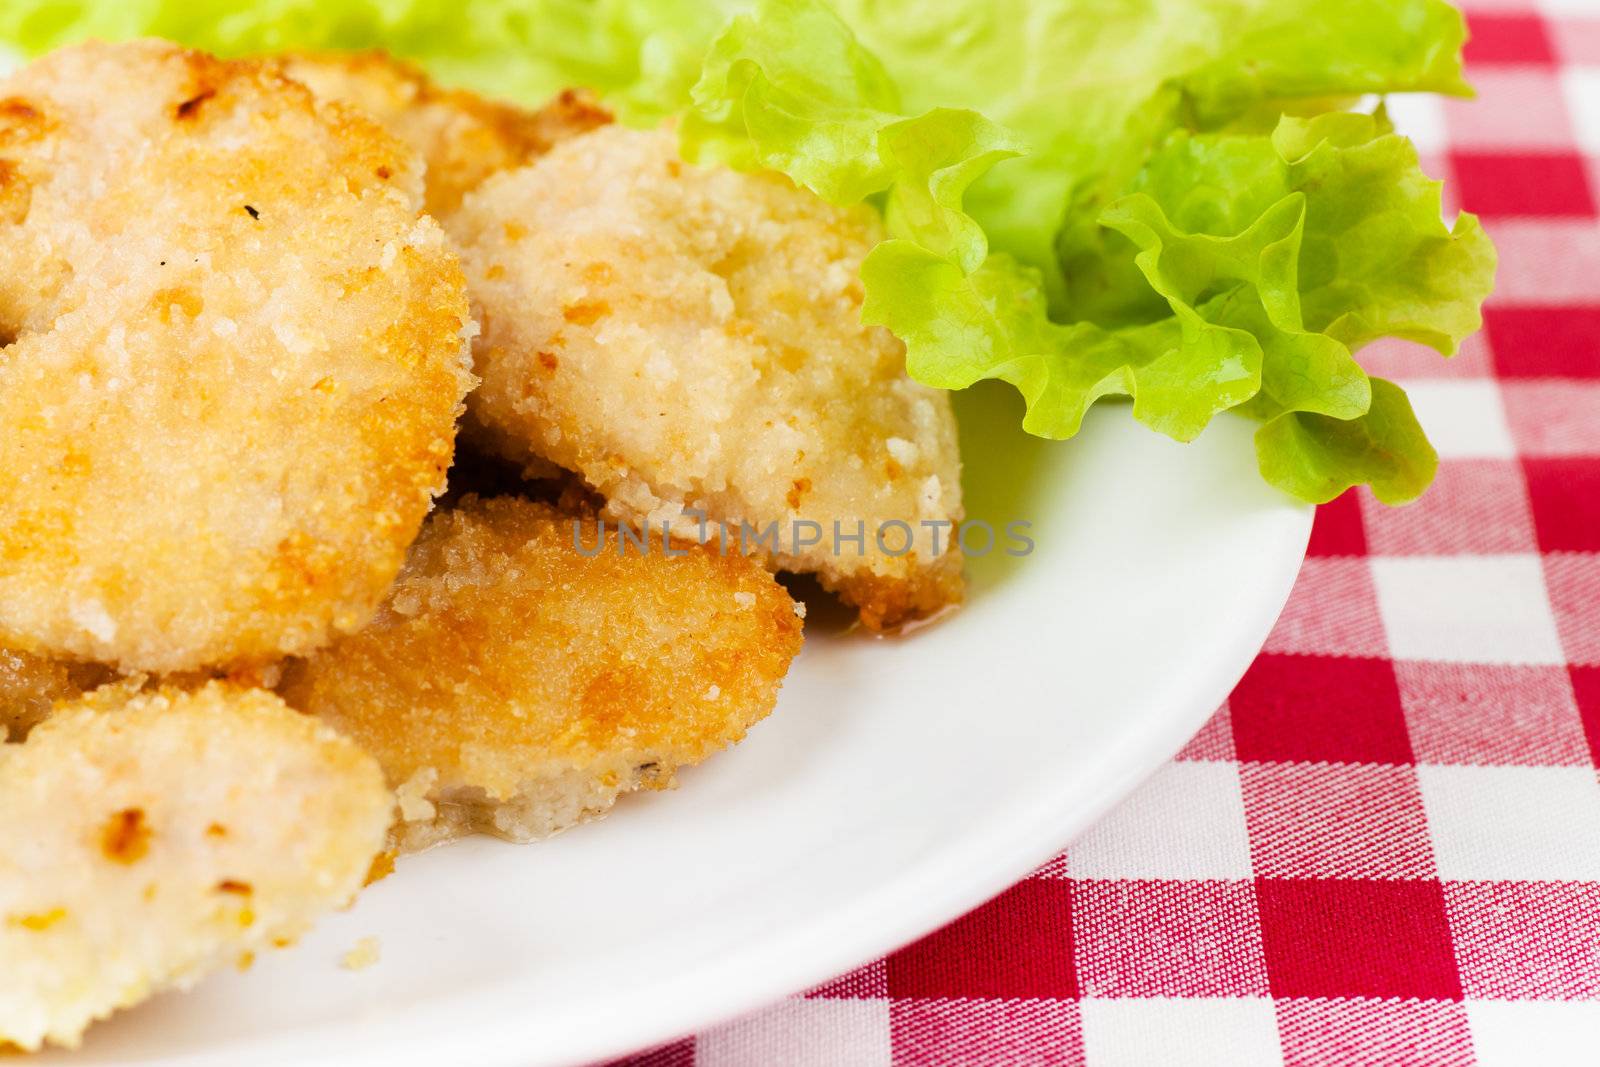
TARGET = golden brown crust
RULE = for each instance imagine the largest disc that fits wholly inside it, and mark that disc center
(507, 663)
(30, 686)
(885, 603)
(462, 137)
(238, 364)
(154, 836)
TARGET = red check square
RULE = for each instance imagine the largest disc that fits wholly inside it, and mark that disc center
(1475, 506)
(1526, 940)
(1336, 530)
(1566, 502)
(1020, 944)
(1319, 709)
(1318, 820)
(1544, 342)
(1507, 39)
(1332, 611)
(1168, 939)
(1335, 938)
(1394, 1033)
(1484, 714)
(1527, 184)
(987, 1033)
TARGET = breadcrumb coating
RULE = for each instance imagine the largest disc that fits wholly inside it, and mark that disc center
(152, 837)
(688, 337)
(30, 686)
(462, 137)
(238, 358)
(514, 685)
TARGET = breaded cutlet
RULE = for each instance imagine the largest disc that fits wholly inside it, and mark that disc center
(238, 352)
(152, 837)
(515, 685)
(462, 137)
(689, 339)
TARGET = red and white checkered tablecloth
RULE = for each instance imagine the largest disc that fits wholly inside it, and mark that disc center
(1385, 848)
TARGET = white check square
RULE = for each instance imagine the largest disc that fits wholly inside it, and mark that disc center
(1186, 821)
(1581, 86)
(802, 1033)
(1420, 116)
(1513, 823)
(1219, 1032)
(1548, 7)
(1547, 1033)
(1467, 609)
(1464, 419)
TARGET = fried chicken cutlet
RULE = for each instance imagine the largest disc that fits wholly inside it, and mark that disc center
(462, 137)
(516, 685)
(238, 353)
(154, 836)
(690, 339)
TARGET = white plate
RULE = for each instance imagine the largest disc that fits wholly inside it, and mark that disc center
(899, 784)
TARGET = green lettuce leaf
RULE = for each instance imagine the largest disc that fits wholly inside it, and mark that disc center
(1291, 242)
(643, 54)
(1092, 85)
(1085, 198)
(1316, 458)
(1292, 251)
